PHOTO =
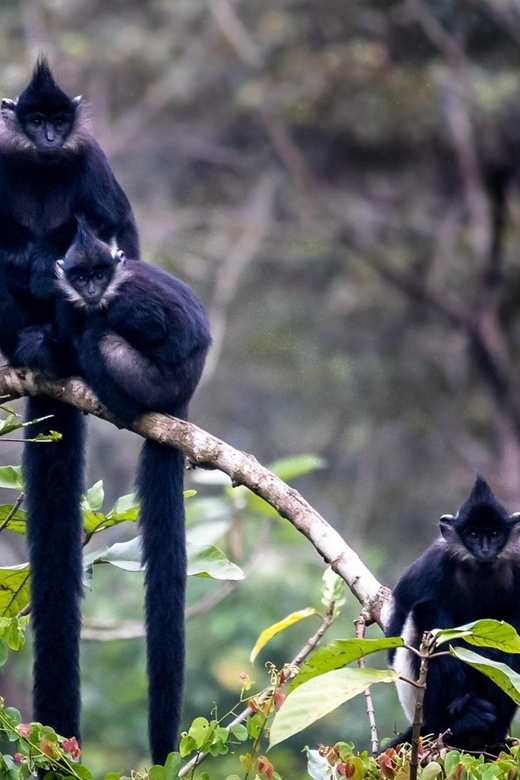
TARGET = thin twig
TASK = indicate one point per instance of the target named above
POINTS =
(247, 711)
(12, 511)
(361, 624)
(95, 631)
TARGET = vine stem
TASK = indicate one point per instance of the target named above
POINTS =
(419, 702)
(361, 624)
(306, 650)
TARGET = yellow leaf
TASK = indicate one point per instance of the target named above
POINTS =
(268, 633)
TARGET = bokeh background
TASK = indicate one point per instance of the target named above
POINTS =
(339, 182)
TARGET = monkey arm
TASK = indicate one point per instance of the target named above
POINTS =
(39, 348)
(102, 200)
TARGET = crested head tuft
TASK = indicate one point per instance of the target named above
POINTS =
(86, 249)
(481, 490)
(481, 504)
(43, 94)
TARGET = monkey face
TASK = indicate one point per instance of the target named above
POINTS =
(47, 132)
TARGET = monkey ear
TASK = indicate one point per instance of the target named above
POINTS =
(7, 107)
(514, 519)
(446, 526)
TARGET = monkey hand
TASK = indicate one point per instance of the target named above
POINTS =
(37, 349)
(471, 714)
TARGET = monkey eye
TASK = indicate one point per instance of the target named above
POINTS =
(36, 121)
(81, 279)
(59, 123)
(100, 276)
(494, 534)
(473, 535)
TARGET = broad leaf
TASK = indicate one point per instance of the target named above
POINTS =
(268, 633)
(95, 496)
(124, 555)
(483, 633)
(203, 560)
(11, 477)
(339, 654)
(500, 673)
(14, 589)
(321, 695)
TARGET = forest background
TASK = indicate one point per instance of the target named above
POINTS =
(339, 183)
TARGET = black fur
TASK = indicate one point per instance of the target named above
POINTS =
(470, 573)
(54, 484)
(50, 170)
(141, 337)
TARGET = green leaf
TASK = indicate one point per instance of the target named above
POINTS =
(321, 695)
(156, 772)
(187, 745)
(112, 776)
(483, 633)
(14, 715)
(501, 674)
(339, 654)
(95, 496)
(4, 653)
(15, 638)
(268, 633)
(297, 466)
(124, 555)
(451, 762)
(124, 504)
(83, 772)
(205, 560)
(239, 731)
(333, 588)
(14, 589)
(17, 523)
(431, 771)
(200, 730)
(172, 766)
(11, 477)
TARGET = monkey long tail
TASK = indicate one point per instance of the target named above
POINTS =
(160, 488)
(53, 474)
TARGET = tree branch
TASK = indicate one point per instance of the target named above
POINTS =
(205, 450)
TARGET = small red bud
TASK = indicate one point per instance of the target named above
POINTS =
(19, 758)
(279, 697)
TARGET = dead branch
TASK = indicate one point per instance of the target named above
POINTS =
(205, 450)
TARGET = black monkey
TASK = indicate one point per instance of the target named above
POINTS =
(141, 338)
(471, 572)
(51, 168)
